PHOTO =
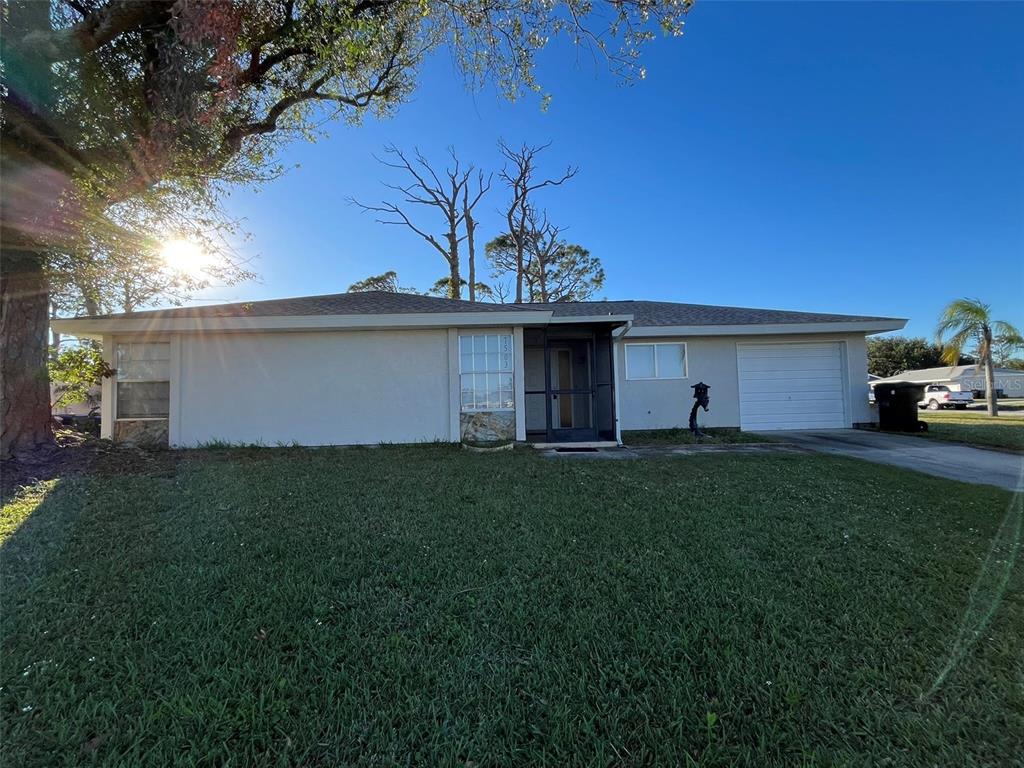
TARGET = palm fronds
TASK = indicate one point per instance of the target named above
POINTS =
(961, 314)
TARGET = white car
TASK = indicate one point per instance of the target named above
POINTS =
(939, 396)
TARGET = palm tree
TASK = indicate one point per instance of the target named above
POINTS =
(970, 321)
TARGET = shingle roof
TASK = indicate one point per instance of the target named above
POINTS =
(947, 373)
(645, 313)
(653, 313)
(362, 303)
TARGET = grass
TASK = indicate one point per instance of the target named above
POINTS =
(429, 606)
(682, 436)
(976, 428)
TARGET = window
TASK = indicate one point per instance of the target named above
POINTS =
(143, 380)
(656, 361)
(485, 372)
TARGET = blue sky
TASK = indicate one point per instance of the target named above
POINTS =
(844, 157)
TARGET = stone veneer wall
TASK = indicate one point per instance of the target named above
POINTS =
(145, 433)
(487, 426)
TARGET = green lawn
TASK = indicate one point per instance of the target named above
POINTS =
(427, 606)
(976, 428)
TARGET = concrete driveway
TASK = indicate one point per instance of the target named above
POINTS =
(956, 462)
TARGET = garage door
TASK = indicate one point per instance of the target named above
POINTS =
(791, 386)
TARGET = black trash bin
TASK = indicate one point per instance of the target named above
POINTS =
(897, 406)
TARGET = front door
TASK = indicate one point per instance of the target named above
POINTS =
(570, 390)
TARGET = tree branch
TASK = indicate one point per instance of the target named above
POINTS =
(96, 30)
(394, 210)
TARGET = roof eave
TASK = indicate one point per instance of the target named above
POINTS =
(91, 327)
(590, 319)
(766, 329)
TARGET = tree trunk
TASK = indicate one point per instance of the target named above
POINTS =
(26, 200)
(990, 383)
(24, 379)
(471, 245)
(520, 239)
(454, 277)
(519, 274)
(542, 277)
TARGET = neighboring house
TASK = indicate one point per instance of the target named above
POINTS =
(75, 409)
(965, 378)
(366, 368)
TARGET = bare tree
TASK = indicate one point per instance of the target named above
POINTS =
(450, 194)
(520, 177)
(501, 293)
(470, 221)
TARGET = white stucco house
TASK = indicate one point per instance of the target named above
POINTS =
(965, 378)
(366, 368)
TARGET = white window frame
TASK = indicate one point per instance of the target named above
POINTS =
(510, 371)
(118, 379)
(653, 345)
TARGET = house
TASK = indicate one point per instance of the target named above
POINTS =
(965, 378)
(366, 368)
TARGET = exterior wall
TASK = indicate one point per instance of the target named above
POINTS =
(107, 390)
(327, 388)
(1011, 384)
(862, 411)
(664, 404)
(367, 387)
(519, 382)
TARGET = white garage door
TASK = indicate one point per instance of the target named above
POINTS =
(791, 386)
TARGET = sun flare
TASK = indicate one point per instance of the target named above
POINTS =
(185, 256)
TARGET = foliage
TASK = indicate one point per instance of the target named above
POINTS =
(554, 269)
(1005, 346)
(426, 606)
(76, 370)
(967, 322)
(891, 355)
(162, 101)
(970, 323)
(567, 272)
(1016, 364)
(387, 282)
(118, 269)
(442, 287)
